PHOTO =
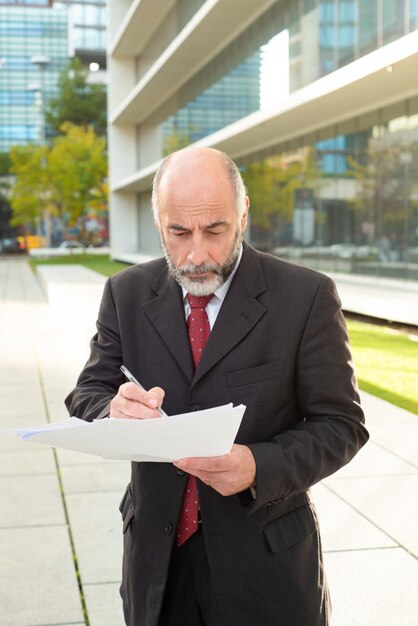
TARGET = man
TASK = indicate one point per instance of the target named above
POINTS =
(249, 554)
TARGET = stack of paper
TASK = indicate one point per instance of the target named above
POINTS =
(201, 433)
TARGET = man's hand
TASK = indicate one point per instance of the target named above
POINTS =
(132, 402)
(228, 474)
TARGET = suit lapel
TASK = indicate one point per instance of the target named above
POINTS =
(166, 313)
(239, 313)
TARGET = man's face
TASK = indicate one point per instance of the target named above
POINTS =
(199, 225)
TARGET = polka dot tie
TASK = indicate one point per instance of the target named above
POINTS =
(199, 330)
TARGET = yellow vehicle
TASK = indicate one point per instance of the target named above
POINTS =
(31, 241)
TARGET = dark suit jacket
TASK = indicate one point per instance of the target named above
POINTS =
(280, 347)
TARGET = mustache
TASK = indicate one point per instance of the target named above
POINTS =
(190, 268)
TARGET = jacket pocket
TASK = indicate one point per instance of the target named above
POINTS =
(255, 374)
(288, 530)
(126, 508)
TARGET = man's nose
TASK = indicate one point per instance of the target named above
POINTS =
(198, 251)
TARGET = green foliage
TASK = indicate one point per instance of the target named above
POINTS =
(29, 185)
(4, 163)
(101, 263)
(78, 101)
(4, 176)
(76, 166)
(65, 179)
(386, 363)
(271, 186)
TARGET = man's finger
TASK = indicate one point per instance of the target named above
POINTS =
(152, 398)
(123, 407)
(205, 464)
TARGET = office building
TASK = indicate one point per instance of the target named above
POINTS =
(33, 30)
(316, 100)
(88, 34)
(33, 52)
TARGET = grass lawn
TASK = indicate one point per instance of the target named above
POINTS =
(386, 360)
(101, 263)
(386, 363)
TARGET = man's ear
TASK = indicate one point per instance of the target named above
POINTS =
(244, 218)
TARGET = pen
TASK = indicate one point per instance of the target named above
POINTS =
(132, 378)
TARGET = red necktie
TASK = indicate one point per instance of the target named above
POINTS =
(199, 330)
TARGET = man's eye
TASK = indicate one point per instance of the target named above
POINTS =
(215, 232)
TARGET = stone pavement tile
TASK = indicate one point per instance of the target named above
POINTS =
(390, 503)
(24, 420)
(104, 605)
(402, 439)
(373, 587)
(9, 442)
(104, 476)
(21, 416)
(381, 412)
(16, 379)
(372, 460)
(97, 531)
(30, 501)
(69, 457)
(29, 461)
(56, 408)
(58, 383)
(342, 528)
(38, 585)
(18, 403)
(15, 386)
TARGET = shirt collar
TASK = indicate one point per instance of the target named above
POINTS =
(221, 292)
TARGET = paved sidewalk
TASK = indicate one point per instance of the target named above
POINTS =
(59, 510)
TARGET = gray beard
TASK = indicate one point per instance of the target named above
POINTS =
(201, 285)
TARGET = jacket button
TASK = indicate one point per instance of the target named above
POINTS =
(180, 472)
(195, 407)
(168, 528)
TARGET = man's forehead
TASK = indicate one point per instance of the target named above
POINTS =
(196, 198)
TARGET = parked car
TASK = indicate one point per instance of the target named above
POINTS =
(11, 245)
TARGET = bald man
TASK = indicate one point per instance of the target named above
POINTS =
(275, 341)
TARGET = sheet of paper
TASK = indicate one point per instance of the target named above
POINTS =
(70, 434)
(200, 433)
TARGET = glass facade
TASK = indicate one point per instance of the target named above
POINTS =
(27, 33)
(345, 203)
(89, 26)
(232, 97)
(28, 3)
(321, 36)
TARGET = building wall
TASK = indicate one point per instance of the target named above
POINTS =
(340, 194)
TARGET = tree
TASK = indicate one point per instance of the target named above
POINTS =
(77, 167)
(4, 164)
(63, 180)
(5, 211)
(29, 184)
(78, 101)
(271, 185)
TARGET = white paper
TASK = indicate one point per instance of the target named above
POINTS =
(200, 433)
